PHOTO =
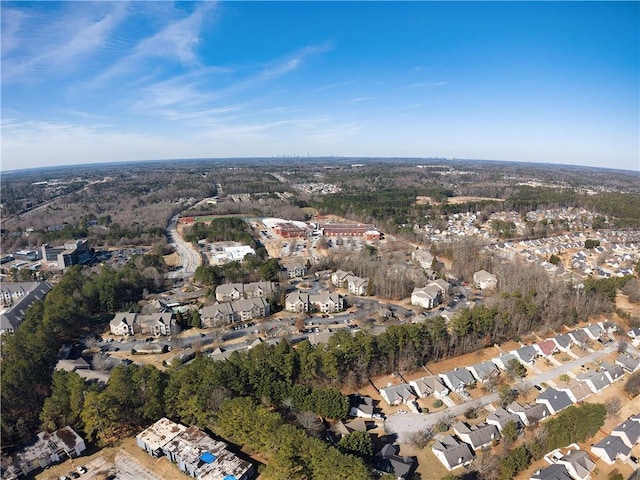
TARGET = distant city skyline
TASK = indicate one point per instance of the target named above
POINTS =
(544, 82)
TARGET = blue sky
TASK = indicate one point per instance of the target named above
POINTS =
(86, 82)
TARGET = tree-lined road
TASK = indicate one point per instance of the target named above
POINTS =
(190, 259)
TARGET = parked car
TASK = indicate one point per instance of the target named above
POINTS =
(81, 470)
(402, 412)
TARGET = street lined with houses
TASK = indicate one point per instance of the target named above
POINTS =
(404, 425)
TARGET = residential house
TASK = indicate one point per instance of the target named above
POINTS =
(397, 394)
(220, 354)
(94, 376)
(628, 362)
(485, 280)
(552, 472)
(484, 371)
(426, 297)
(181, 357)
(526, 355)
(546, 348)
(339, 278)
(529, 414)
(502, 362)
(72, 365)
(429, 386)
(452, 452)
(358, 286)
(554, 400)
(501, 417)
(596, 381)
(342, 429)
(634, 334)
(49, 448)
(613, 372)
(610, 449)
(477, 436)
(360, 406)
(608, 327)
(388, 461)
(578, 464)
(456, 380)
(577, 391)
(594, 331)
(124, 324)
(628, 431)
(563, 342)
(579, 337)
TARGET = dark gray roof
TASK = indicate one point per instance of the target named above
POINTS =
(527, 353)
(630, 428)
(455, 452)
(598, 379)
(563, 340)
(390, 462)
(458, 378)
(13, 316)
(557, 400)
(552, 472)
(613, 446)
(501, 417)
(580, 336)
(478, 435)
(628, 362)
(484, 370)
(361, 402)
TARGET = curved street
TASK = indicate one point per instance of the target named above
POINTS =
(190, 259)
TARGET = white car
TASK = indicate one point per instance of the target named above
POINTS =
(401, 412)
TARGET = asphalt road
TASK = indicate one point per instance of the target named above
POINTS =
(405, 425)
(190, 259)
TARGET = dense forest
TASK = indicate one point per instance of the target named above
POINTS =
(75, 304)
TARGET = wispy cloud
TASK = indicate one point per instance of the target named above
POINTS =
(176, 42)
(427, 85)
(68, 41)
(360, 99)
(204, 94)
(293, 62)
(332, 86)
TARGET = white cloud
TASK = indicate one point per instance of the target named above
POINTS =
(293, 62)
(36, 52)
(427, 84)
(177, 41)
